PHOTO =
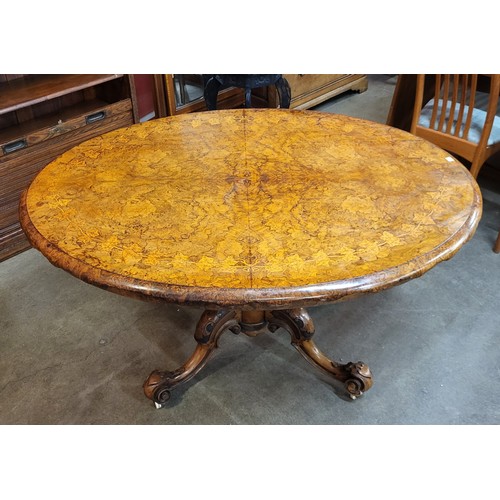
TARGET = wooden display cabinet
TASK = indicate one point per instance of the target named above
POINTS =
(41, 116)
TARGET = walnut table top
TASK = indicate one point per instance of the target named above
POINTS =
(251, 208)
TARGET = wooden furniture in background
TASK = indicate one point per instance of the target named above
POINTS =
(145, 92)
(453, 120)
(403, 99)
(264, 212)
(249, 83)
(310, 90)
(184, 94)
(41, 116)
(402, 108)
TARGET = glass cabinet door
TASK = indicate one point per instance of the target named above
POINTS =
(187, 89)
(184, 94)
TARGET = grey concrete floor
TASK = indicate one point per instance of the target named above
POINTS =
(75, 354)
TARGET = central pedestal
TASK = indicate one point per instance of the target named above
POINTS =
(356, 377)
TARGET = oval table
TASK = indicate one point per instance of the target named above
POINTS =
(253, 214)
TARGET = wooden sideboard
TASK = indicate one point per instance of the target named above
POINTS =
(310, 90)
(41, 116)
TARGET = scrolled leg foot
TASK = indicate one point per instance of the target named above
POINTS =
(356, 377)
(360, 379)
(210, 327)
(157, 386)
(162, 397)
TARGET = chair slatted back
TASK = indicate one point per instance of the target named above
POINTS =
(458, 117)
(453, 104)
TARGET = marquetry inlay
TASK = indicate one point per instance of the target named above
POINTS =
(254, 199)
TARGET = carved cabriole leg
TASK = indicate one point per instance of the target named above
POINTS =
(208, 330)
(356, 377)
(210, 92)
(284, 92)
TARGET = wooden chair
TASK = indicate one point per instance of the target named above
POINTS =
(452, 119)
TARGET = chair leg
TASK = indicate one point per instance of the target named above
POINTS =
(478, 162)
(496, 248)
(475, 167)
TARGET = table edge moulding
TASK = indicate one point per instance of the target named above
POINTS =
(242, 298)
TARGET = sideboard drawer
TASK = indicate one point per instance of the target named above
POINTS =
(61, 127)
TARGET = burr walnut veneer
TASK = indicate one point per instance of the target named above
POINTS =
(254, 215)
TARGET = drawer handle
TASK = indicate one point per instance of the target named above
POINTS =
(95, 117)
(14, 146)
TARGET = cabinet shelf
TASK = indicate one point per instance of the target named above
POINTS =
(34, 89)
